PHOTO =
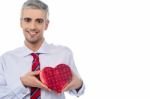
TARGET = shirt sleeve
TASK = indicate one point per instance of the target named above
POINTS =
(15, 91)
(74, 69)
(78, 93)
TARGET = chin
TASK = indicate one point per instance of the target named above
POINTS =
(31, 41)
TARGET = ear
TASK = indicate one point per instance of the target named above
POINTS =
(46, 24)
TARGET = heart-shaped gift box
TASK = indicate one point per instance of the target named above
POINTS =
(56, 78)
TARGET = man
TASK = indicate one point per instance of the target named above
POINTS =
(16, 76)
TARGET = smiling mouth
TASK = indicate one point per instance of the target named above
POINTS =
(32, 33)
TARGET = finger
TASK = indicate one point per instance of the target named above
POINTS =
(46, 88)
(34, 73)
(67, 87)
(37, 72)
(58, 94)
(43, 86)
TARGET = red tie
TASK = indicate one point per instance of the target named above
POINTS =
(35, 92)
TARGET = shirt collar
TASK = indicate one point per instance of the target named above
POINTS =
(44, 49)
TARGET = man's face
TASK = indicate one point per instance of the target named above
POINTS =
(34, 23)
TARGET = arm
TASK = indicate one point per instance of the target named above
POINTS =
(20, 88)
(30, 80)
(76, 86)
(16, 91)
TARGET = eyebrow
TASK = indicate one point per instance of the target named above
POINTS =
(32, 19)
(39, 19)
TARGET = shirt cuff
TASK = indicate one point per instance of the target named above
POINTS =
(79, 92)
(79, 87)
(20, 90)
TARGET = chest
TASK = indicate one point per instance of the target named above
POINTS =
(15, 67)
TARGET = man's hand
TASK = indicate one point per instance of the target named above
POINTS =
(30, 80)
(75, 83)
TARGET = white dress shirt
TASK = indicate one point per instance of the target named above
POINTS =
(18, 62)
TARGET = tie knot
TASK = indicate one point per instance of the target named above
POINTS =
(35, 55)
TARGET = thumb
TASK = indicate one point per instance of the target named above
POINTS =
(67, 87)
(44, 87)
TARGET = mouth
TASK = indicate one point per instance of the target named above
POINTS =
(32, 33)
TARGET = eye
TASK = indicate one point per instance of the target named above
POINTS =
(27, 20)
(40, 21)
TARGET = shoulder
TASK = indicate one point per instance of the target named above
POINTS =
(14, 52)
(60, 49)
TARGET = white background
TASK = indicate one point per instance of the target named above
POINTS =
(110, 40)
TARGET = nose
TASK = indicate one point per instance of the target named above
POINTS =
(32, 25)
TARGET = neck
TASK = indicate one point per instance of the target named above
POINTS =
(34, 46)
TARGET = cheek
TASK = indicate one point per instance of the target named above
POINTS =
(23, 26)
(41, 28)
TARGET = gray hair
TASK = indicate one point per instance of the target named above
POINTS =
(36, 4)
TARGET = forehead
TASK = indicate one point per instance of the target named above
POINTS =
(33, 13)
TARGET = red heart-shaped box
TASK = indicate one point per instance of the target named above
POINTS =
(56, 78)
